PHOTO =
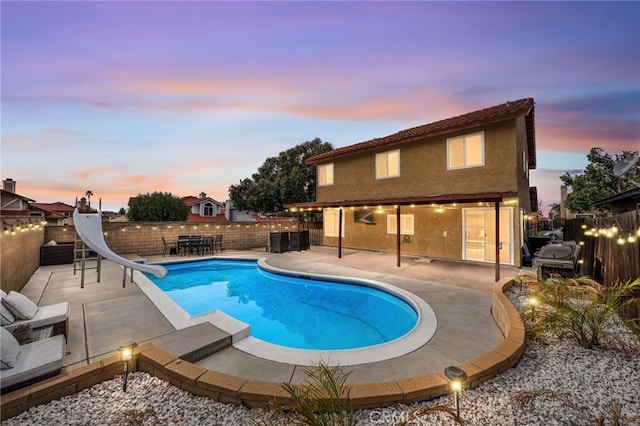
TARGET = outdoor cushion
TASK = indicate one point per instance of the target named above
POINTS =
(46, 316)
(20, 305)
(2, 294)
(7, 316)
(35, 360)
(9, 350)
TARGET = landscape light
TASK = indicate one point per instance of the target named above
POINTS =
(457, 377)
(126, 352)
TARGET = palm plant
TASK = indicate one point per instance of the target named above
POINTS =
(582, 309)
(322, 399)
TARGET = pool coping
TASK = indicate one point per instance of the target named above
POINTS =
(259, 394)
(240, 331)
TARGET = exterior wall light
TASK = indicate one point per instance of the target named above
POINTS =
(126, 352)
(457, 378)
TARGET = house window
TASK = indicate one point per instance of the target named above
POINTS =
(331, 223)
(388, 164)
(406, 224)
(465, 151)
(207, 209)
(325, 174)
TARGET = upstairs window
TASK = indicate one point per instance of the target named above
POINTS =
(465, 151)
(325, 174)
(207, 209)
(388, 164)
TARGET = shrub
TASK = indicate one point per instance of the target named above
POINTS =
(584, 310)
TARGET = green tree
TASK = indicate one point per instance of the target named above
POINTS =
(157, 207)
(280, 180)
(598, 180)
(89, 193)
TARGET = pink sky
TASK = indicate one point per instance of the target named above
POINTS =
(123, 98)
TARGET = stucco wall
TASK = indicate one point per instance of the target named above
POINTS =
(437, 234)
(423, 169)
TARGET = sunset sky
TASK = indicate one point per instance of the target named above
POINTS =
(123, 98)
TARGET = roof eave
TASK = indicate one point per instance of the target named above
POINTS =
(426, 199)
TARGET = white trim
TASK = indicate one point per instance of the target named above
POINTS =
(325, 174)
(511, 253)
(387, 154)
(464, 138)
(407, 224)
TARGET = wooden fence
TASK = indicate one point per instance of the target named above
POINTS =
(610, 246)
(610, 249)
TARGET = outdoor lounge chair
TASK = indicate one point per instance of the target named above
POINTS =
(24, 365)
(54, 316)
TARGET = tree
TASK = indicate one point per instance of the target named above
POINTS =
(89, 193)
(280, 180)
(157, 207)
(598, 180)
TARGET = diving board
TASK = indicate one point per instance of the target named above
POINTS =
(89, 229)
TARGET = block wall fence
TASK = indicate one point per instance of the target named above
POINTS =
(19, 254)
(145, 238)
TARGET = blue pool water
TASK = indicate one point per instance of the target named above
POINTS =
(287, 311)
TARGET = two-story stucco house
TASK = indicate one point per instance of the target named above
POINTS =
(454, 189)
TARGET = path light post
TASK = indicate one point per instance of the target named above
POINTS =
(532, 301)
(457, 377)
(126, 351)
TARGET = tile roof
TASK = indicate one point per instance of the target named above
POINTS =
(193, 217)
(53, 207)
(509, 110)
(190, 200)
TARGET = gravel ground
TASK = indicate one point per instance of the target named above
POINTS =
(574, 386)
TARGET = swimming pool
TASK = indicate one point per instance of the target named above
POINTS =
(289, 311)
(242, 339)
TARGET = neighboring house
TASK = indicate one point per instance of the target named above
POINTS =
(204, 209)
(234, 215)
(13, 204)
(623, 202)
(53, 213)
(436, 190)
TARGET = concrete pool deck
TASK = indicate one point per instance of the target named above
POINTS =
(103, 315)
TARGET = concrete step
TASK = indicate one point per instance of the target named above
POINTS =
(195, 342)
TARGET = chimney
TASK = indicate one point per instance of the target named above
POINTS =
(202, 196)
(9, 185)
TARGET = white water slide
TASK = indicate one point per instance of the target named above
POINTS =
(89, 228)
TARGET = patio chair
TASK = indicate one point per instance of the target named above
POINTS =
(207, 245)
(217, 244)
(23, 365)
(171, 249)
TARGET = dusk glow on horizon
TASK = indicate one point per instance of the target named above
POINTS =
(123, 98)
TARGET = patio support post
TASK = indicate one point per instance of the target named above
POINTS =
(497, 204)
(398, 242)
(340, 234)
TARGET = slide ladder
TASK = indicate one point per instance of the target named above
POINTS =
(89, 229)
